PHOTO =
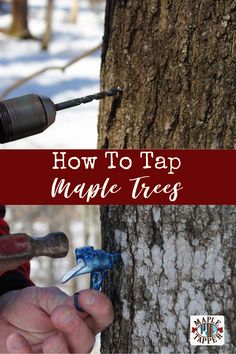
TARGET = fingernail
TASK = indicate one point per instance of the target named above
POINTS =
(90, 299)
(67, 316)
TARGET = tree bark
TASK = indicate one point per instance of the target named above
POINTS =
(175, 61)
(19, 26)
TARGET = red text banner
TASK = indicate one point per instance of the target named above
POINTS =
(118, 177)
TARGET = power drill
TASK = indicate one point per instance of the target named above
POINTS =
(32, 114)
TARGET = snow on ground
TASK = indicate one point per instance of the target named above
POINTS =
(76, 127)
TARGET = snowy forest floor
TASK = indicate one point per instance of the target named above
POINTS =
(76, 127)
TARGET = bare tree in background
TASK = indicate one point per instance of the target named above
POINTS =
(19, 27)
(48, 31)
(175, 61)
(74, 11)
(94, 3)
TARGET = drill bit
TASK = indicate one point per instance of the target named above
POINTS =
(97, 96)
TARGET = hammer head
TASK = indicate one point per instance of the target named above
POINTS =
(16, 249)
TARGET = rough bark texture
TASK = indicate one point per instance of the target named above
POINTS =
(176, 62)
(178, 261)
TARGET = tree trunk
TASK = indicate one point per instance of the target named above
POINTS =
(48, 31)
(74, 11)
(19, 26)
(175, 61)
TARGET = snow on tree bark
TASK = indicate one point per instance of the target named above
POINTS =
(175, 61)
(178, 262)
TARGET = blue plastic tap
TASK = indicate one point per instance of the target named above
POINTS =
(96, 262)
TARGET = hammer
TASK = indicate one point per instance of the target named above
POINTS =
(16, 249)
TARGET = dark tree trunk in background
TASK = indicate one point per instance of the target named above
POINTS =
(19, 26)
(175, 61)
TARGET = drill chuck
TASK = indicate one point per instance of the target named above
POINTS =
(31, 114)
(25, 116)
